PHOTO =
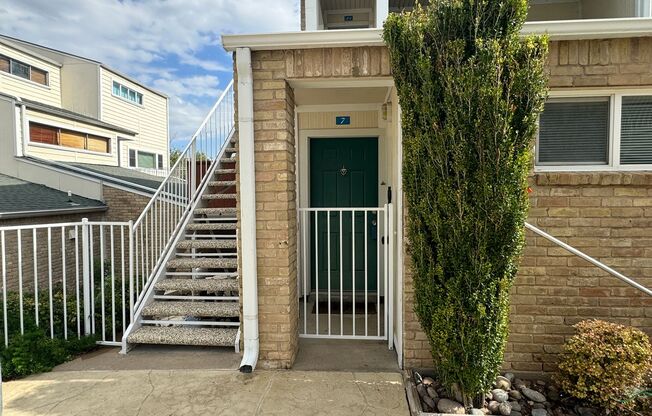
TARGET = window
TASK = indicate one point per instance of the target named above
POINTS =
(23, 70)
(127, 93)
(574, 132)
(608, 132)
(145, 160)
(40, 133)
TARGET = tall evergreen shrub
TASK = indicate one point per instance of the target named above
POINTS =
(471, 89)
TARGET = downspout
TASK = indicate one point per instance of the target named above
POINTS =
(249, 273)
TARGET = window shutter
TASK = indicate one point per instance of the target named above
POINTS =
(132, 158)
(574, 132)
(636, 131)
(43, 134)
(160, 162)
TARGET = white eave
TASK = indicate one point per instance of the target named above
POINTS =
(556, 30)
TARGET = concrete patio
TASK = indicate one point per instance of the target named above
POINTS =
(204, 381)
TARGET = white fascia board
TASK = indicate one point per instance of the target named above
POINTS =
(556, 30)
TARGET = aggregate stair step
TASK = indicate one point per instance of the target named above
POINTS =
(221, 183)
(179, 335)
(206, 244)
(212, 226)
(218, 196)
(224, 171)
(230, 150)
(206, 262)
(216, 211)
(198, 285)
(197, 309)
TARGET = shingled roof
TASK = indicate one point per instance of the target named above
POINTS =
(19, 198)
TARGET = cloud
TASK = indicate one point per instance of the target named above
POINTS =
(171, 45)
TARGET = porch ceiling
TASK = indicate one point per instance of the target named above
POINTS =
(328, 96)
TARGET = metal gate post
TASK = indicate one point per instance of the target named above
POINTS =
(86, 269)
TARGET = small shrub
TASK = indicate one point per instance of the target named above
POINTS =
(605, 364)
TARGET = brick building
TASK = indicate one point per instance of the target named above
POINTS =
(317, 97)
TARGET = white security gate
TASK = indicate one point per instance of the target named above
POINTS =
(345, 273)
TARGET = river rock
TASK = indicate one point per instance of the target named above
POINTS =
(505, 409)
(478, 412)
(515, 406)
(586, 411)
(493, 407)
(427, 400)
(515, 394)
(515, 413)
(432, 392)
(428, 381)
(457, 393)
(539, 412)
(533, 395)
(499, 395)
(449, 406)
(421, 389)
(503, 383)
(509, 376)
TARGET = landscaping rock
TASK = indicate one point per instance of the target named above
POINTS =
(509, 376)
(427, 381)
(431, 403)
(503, 383)
(533, 395)
(449, 406)
(499, 395)
(478, 412)
(432, 392)
(587, 411)
(493, 407)
(515, 394)
(538, 406)
(515, 413)
(539, 412)
(515, 406)
(457, 393)
(421, 389)
(505, 409)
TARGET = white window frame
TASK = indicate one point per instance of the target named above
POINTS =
(615, 119)
(115, 81)
(156, 159)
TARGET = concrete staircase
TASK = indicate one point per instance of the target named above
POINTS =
(195, 301)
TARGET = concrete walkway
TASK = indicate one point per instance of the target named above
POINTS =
(206, 392)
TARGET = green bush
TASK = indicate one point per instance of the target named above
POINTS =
(605, 364)
(470, 90)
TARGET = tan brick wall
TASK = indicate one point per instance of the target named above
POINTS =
(123, 205)
(601, 63)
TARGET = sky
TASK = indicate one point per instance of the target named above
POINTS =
(170, 45)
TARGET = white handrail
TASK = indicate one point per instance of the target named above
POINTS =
(164, 214)
(588, 258)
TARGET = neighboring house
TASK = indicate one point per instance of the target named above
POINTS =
(319, 119)
(76, 125)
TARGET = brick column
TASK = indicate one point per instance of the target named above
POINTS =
(276, 210)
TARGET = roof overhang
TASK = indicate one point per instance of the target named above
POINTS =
(556, 30)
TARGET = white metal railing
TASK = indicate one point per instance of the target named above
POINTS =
(152, 171)
(589, 259)
(70, 279)
(346, 282)
(165, 213)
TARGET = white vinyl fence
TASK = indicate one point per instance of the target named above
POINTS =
(70, 279)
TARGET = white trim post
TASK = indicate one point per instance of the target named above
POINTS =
(249, 274)
(382, 11)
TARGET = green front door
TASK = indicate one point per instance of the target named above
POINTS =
(344, 174)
